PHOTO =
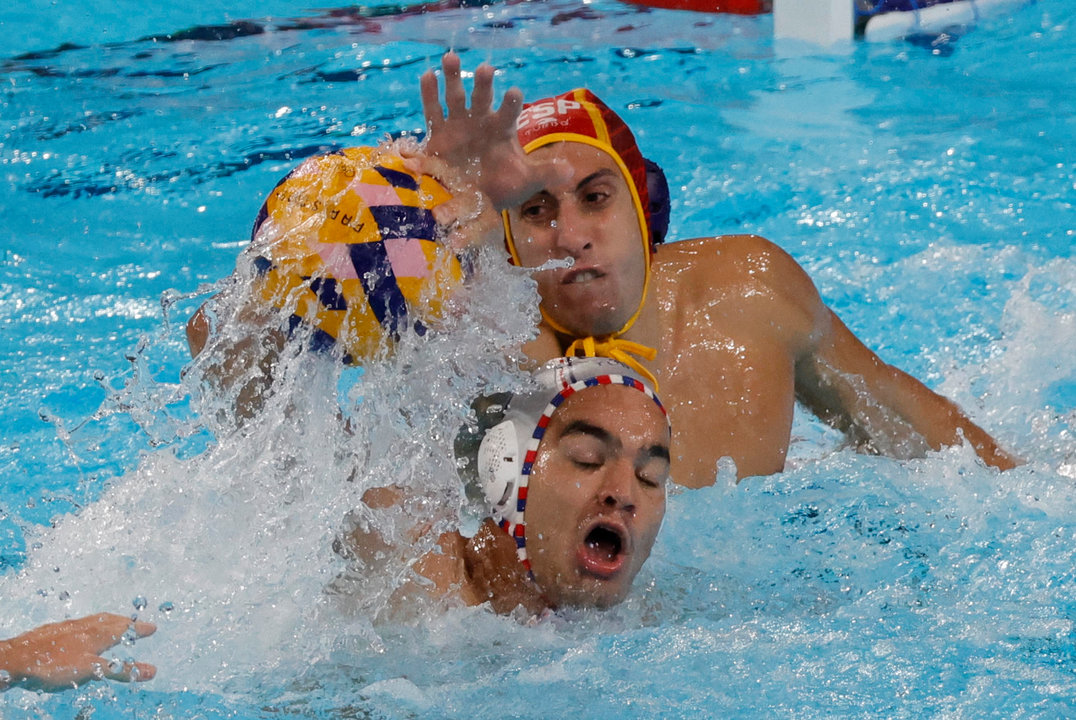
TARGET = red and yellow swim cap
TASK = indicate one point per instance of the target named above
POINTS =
(579, 116)
(348, 245)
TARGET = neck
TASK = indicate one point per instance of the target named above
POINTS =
(495, 575)
(645, 329)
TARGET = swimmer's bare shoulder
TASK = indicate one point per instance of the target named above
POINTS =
(880, 407)
(746, 289)
(746, 283)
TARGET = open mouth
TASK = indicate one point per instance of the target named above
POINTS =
(602, 553)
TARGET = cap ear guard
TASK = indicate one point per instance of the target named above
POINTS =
(500, 461)
(658, 190)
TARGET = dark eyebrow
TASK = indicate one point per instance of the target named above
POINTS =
(597, 175)
(582, 427)
(660, 451)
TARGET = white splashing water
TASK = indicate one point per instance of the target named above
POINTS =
(231, 551)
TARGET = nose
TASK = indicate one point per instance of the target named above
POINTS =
(575, 231)
(617, 489)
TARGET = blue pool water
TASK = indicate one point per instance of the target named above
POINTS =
(927, 186)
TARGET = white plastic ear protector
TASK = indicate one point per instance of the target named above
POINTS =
(499, 461)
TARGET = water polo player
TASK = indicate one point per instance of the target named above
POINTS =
(736, 330)
(574, 478)
(732, 327)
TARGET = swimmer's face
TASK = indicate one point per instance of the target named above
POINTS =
(588, 217)
(596, 496)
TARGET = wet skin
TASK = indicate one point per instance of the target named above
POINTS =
(740, 329)
(596, 497)
(595, 504)
(570, 219)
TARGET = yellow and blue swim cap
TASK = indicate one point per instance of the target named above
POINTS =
(347, 245)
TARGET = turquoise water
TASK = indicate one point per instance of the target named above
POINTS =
(927, 187)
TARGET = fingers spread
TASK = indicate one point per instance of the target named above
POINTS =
(511, 106)
(431, 103)
(482, 96)
(455, 97)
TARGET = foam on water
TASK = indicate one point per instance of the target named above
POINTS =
(236, 543)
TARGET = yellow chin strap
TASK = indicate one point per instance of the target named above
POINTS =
(611, 346)
(618, 350)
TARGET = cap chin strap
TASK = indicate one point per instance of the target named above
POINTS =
(617, 349)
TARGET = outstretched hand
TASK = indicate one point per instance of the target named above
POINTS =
(66, 654)
(479, 141)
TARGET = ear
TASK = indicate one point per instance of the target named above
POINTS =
(500, 461)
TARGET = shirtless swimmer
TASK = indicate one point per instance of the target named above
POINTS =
(732, 327)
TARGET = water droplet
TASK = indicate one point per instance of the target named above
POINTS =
(166, 607)
(139, 603)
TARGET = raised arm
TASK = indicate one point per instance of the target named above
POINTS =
(66, 654)
(478, 140)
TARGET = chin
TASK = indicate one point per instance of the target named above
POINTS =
(591, 327)
(600, 594)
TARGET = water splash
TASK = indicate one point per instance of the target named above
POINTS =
(234, 545)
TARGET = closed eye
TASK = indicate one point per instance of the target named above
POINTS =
(649, 482)
(652, 468)
(586, 465)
